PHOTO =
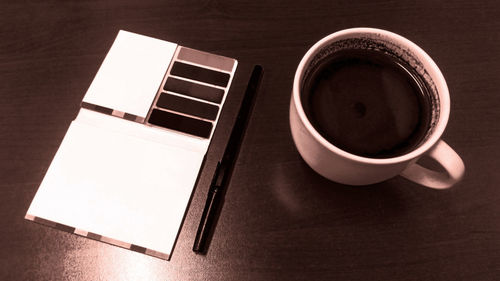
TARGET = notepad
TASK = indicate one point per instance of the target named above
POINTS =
(127, 166)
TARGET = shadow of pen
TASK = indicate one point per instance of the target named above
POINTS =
(224, 170)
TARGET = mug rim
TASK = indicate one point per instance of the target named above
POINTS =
(438, 79)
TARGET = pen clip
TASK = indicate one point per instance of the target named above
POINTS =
(215, 179)
(208, 213)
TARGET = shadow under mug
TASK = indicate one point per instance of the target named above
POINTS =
(347, 168)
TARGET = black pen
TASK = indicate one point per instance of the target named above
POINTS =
(225, 167)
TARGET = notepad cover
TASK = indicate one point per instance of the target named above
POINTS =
(116, 176)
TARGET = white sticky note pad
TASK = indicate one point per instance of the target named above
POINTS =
(123, 180)
(131, 73)
(127, 188)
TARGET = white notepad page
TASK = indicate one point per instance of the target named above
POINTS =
(123, 187)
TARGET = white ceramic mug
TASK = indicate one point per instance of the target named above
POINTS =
(347, 168)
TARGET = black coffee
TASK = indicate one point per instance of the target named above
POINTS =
(367, 103)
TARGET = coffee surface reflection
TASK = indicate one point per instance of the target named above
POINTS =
(368, 103)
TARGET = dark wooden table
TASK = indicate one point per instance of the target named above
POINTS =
(280, 220)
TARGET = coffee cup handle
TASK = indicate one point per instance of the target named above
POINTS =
(447, 158)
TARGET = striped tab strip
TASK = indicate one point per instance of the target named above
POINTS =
(98, 237)
(109, 111)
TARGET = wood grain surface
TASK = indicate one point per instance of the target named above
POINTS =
(280, 220)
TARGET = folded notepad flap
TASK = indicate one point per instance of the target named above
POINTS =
(148, 133)
(131, 74)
